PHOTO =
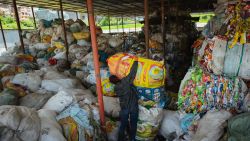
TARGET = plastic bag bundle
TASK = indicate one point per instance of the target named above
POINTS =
(218, 58)
(112, 129)
(211, 128)
(115, 41)
(150, 74)
(81, 35)
(201, 91)
(77, 122)
(151, 97)
(149, 123)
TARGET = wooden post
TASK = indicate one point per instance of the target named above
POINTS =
(96, 60)
(34, 18)
(4, 41)
(65, 33)
(146, 27)
(18, 25)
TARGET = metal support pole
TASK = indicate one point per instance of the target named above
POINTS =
(122, 28)
(18, 25)
(117, 24)
(109, 22)
(135, 23)
(58, 14)
(146, 27)
(163, 28)
(64, 31)
(34, 18)
(4, 41)
(96, 60)
(77, 15)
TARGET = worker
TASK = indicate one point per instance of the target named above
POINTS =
(128, 97)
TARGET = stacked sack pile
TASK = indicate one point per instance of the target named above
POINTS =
(65, 109)
(214, 91)
(44, 104)
(150, 79)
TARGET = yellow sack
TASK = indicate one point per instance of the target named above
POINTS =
(150, 73)
(59, 45)
(154, 44)
(146, 131)
(46, 39)
(108, 89)
(81, 35)
(70, 128)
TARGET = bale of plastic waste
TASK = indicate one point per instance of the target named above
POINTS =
(22, 118)
(218, 58)
(202, 91)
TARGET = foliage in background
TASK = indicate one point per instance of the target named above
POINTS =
(10, 23)
(204, 17)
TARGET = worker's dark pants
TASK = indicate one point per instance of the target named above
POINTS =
(128, 118)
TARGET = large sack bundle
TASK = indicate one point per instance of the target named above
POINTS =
(246, 105)
(40, 46)
(8, 97)
(112, 129)
(202, 91)
(210, 127)
(115, 41)
(150, 74)
(50, 129)
(52, 74)
(81, 35)
(34, 100)
(217, 57)
(65, 97)
(239, 128)
(56, 84)
(171, 126)
(19, 123)
(149, 123)
(111, 106)
(30, 80)
(7, 59)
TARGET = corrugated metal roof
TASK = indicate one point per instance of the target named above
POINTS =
(114, 7)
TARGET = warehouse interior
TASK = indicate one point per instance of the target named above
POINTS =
(66, 77)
